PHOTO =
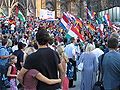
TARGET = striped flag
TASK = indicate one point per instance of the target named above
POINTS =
(74, 32)
(71, 34)
(88, 12)
(71, 17)
(21, 16)
(91, 27)
(79, 21)
(65, 23)
(106, 18)
(65, 18)
(91, 14)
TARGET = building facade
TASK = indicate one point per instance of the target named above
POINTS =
(33, 7)
(11, 7)
(75, 7)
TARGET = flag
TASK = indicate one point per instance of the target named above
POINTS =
(65, 24)
(89, 13)
(75, 30)
(65, 18)
(99, 20)
(21, 16)
(71, 17)
(91, 26)
(78, 28)
(63, 27)
(71, 34)
(115, 27)
(106, 18)
(79, 21)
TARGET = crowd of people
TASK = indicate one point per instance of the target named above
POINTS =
(36, 55)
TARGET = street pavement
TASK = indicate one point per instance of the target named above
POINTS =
(77, 83)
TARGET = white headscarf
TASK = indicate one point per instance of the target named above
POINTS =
(90, 47)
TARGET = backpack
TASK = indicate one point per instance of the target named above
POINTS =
(5, 82)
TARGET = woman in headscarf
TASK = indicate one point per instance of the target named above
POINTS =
(88, 74)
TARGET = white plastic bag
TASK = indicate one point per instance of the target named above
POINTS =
(80, 66)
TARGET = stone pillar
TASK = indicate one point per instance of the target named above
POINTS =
(36, 13)
(38, 7)
(9, 8)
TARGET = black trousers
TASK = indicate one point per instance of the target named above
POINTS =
(74, 72)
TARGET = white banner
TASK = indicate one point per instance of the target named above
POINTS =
(46, 14)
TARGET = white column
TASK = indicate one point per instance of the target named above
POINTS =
(9, 8)
(36, 13)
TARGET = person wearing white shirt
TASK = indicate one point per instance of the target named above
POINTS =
(98, 52)
(12, 28)
(15, 47)
(70, 51)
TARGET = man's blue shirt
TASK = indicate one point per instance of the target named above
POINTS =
(111, 70)
(3, 52)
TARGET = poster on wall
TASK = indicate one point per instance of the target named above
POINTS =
(46, 14)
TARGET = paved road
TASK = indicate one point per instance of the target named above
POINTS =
(77, 83)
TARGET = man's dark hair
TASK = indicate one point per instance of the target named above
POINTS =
(42, 37)
(72, 39)
(4, 41)
(15, 42)
(113, 43)
(51, 41)
(21, 45)
(35, 46)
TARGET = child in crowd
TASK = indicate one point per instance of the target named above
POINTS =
(12, 73)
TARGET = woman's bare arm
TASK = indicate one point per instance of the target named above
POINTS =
(9, 72)
(44, 79)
